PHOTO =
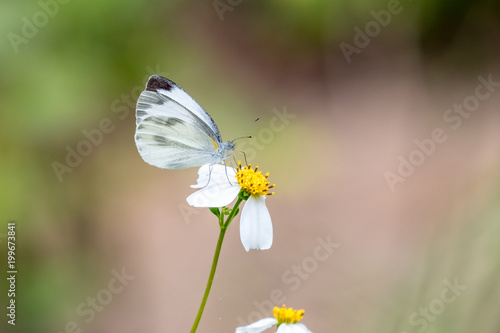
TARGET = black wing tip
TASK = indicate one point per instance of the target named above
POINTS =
(156, 82)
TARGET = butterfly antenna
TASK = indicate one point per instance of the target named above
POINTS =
(242, 137)
(246, 128)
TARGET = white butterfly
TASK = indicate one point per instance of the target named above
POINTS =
(173, 131)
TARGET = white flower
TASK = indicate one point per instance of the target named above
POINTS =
(219, 185)
(285, 319)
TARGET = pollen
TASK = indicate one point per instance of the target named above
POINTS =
(252, 181)
(287, 316)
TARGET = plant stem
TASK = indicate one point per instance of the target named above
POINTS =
(210, 279)
(223, 226)
(233, 212)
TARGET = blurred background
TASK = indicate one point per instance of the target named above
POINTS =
(379, 123)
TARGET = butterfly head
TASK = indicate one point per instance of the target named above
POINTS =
(226, 149)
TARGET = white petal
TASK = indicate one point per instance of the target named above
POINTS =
(293, 328)
(216, 174)
(214, 196)
(256, 228)
(258, 326)
(217, 187)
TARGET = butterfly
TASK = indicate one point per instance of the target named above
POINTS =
(173, 131)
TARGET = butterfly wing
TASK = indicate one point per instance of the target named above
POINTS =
(173, 144)
(163, 97)
(172, 130)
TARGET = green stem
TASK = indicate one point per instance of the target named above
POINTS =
(233, 212)
(221, 220)
(210, 279)
(223, 226)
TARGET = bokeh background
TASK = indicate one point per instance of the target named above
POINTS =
(331, 128)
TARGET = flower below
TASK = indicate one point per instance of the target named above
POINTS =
(287, 316)
(284, 319)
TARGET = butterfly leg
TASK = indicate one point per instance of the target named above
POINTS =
(210, 168)
(227, 176)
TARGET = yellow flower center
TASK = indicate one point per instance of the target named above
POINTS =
(287, 316)
(253, 182)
